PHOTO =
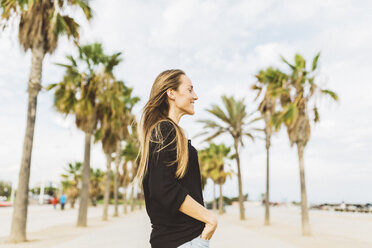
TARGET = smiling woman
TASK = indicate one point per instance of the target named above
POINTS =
(169, 169)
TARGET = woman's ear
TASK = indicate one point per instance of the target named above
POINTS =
(170, 93)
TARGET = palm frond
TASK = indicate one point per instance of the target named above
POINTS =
(315, 62)
(211, 137)
(218, 112)
(255, 119)
(290, 65)
(316, 114)
(331, 94)
(300, 62)
(84, 5)
(289, 113)
(249, 135)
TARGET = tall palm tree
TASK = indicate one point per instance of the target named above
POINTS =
(233, 121)
(72, 177)
(268, 85)
(41, 24)
(298, 90)
(130, 154)
(96, 184)
(77, 94)
(124, 120)
(111, 108)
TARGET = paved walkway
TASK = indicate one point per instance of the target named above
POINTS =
(133, 230)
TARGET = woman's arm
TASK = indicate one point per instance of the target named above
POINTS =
(197, 211)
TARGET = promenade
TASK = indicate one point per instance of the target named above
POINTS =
(56, 229)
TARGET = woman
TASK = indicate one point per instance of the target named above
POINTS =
(169, 168)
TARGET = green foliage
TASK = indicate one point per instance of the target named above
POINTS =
(48, 190)
(71, 178)
(5, 188)
(332, 94)
(90, 91)
(233, 120)
(315, 62)
(235, 199)
(212, 162)
(43, 22)
(293, 90)
(96, 186)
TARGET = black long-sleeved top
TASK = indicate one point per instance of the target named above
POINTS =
(164, 193)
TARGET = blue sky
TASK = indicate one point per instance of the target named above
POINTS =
(220, 45)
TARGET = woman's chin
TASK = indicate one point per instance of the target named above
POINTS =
(190, 112)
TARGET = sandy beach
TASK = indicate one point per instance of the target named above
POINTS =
(50, 228)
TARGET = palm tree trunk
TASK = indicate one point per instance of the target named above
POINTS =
(72, 203)
(125, 208)
(267, 196)
(125, 172)
(116, 178)
(19, 218)
(220, 200)
(85, 179)
(304, 210)
(139, 198)
(131, 199)
(214, 203)
(106, 199)
(240, 185)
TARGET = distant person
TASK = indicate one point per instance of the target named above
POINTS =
(343, 206)
(54, 202)
(62, 201)
(169, 170)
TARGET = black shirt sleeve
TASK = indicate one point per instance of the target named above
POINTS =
(163, 185)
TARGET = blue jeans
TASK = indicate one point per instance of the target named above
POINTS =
(197, 242)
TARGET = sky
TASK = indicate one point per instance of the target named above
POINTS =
(220, 45)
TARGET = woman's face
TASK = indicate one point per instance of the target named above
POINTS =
(184, 96)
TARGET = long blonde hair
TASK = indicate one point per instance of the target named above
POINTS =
(156, 111)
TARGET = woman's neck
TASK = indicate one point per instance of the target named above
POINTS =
(174, 115)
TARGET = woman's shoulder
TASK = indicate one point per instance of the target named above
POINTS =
(166, 125)
(164, 130)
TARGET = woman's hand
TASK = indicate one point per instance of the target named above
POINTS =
(197, 211)
(209, 229)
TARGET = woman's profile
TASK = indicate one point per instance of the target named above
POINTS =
(169, 169)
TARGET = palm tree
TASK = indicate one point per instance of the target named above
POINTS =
(207, 165)
(111, 108)
(221, 153)
(268, 85)
(233, 121)
(70, 184)
(96, 184)
(41, 24)
(298, 90)
(130, 153)
(212, 161)
(77, 94)
(124, 120)
(116, 103)
(124, 180)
